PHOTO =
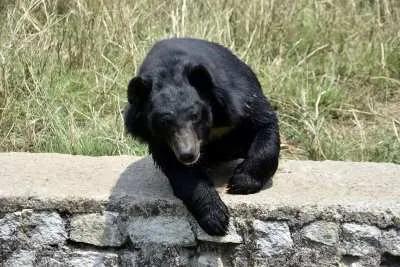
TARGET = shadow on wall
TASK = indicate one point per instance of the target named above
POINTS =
(143, 184)
(141, 180)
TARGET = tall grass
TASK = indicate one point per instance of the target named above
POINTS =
(330, 68)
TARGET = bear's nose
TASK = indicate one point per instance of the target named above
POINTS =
(187, 157)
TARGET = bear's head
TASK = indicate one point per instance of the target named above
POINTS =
(172, 108)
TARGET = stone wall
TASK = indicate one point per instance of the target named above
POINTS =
(61, 210)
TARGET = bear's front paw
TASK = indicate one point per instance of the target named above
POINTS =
(215, 219)
(242, 183)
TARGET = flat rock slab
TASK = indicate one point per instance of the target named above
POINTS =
(82, 184)
(160, 230)
(97, 229)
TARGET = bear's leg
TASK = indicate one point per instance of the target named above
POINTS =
(260, 163)
(192, 185)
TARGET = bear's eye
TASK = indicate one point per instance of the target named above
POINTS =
(161, 120)
(165, 120)
(195, 117)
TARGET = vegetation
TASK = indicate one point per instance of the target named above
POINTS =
(331, 69)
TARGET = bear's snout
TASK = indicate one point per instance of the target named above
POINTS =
(186, 146)
(188, 158)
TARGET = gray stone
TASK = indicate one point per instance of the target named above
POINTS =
(241, 262)
(360, 240)
(8, 227)
(129, 259)
(161, 230)
(97, 229)
(11, 238)
(391, 242)
(32, 229)
(22, 258)
(54, 258)
(313, 257)
(208, 260)
(153, 254)
(365, 261)
(231, 236)
(92, 258)
(48, 261)
(326, 233)
(272, 238)
(352, 264)
(48, 228)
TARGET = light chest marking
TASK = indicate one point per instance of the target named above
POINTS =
(218, 132)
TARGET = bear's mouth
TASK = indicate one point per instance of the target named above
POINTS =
(188, 163)
(186, 146)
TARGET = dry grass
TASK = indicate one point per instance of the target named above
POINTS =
(331, 69)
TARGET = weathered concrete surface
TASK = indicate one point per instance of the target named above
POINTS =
(44, 180)
(73, 210)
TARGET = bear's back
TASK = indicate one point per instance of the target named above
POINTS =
(226, 69)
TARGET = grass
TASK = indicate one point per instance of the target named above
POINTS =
(330, 68)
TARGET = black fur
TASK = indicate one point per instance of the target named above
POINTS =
(200, 86)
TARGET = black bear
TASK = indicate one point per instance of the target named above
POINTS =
(195, 103)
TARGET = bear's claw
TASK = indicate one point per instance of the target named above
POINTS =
(215, 220)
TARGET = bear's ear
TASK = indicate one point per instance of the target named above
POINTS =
(138, 88)
(199, 77)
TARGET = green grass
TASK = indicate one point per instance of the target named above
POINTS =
(331, 69)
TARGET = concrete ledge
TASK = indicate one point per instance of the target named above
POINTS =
(83, 211)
